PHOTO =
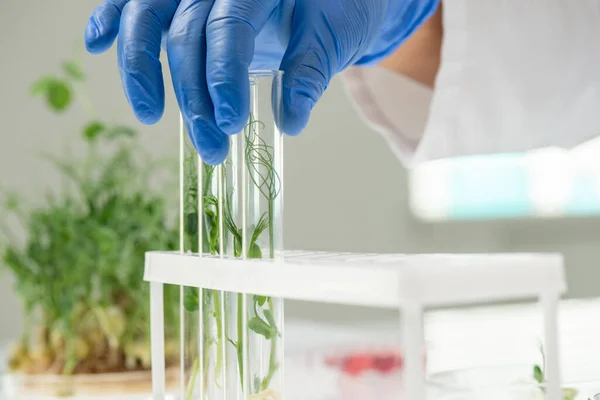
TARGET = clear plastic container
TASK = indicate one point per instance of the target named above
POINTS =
(350, 361)
(510, 382)
(355, 374)
(232, 341)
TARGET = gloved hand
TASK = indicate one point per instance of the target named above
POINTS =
(211, 45)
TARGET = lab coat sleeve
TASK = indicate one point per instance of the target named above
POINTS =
(515, 76)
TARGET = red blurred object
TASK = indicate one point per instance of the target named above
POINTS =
(358, 363)
(387, 363)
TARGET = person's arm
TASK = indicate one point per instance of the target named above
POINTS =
(419, 57)
(394, 96)
(508, 77)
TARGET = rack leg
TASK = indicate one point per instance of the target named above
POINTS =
(411, 320)
(157, 340)
(550, 309)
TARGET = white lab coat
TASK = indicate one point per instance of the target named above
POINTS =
(515, 75)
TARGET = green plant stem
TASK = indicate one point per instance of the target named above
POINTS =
(71, 360)
(220, 335)
(257, 156)
(539, 376)
(240, 336)
(193, 377)
(206, 339)
(273, 366)
(86, 102)
(271, 230)
(273, 351)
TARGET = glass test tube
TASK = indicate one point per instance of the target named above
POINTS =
(233, 343)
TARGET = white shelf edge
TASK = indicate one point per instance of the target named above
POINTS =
(430, 280)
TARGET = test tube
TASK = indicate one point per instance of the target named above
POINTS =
(261, 180)
(191, 231)
(233, 342)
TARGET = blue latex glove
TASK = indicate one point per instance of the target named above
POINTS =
(211, 45)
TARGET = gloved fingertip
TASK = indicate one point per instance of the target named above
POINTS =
(92, 34)
(229, 121)
(297, 113)
(229, 128)
(211, 143)
(231, 104)
(214, 156)
(96, 39)
(148, 107)
(145, 92)
(147, 115)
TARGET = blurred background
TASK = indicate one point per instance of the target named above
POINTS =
(344, 188)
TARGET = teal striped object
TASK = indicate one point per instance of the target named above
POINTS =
(584, 197)
(500, 186)
(489, 187)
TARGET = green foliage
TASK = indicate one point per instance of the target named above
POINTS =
(119, 131)
(191, 301)
(260, 300)
(56, 91)
(540, 377)
(261, 327)
(73, 70)
(80, 270)
(93, 129)
(259, 162)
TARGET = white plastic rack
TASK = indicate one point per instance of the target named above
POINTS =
(409, 283)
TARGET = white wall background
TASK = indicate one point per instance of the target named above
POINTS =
(344, 189)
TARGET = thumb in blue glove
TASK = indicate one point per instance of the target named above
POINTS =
(212, 44)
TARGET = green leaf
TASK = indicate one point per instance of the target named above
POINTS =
(119, 132)
(93, 129)
(191, 300)
(58, 96)
(254, 252)
(261, 327)
(271, 320)
(12, 202)
(73, 70)
(237, 244)
(210, 201)
(260, 300)
(263, 223)
(56, 91)
(42, 85)
(538, 374)
(191, 224)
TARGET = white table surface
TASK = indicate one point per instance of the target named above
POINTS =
(463, 338)
(459, 338)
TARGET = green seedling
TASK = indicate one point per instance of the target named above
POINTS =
(259, 164)
(79, 269)
(540, 377)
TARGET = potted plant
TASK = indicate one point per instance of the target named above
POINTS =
(79, 270)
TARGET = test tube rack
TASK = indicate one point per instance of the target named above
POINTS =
(409, 283)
